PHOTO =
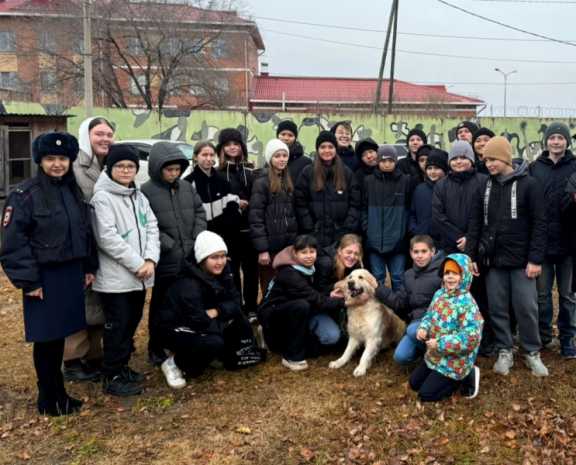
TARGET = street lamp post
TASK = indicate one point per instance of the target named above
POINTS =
(505, 75)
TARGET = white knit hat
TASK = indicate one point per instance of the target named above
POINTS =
(272, 147)
(208, 243)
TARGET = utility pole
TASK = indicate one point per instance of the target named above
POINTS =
(88, 81)
(384, 54)
(393, 64)
(505, 75)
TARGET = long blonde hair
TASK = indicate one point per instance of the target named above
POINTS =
(345, 241)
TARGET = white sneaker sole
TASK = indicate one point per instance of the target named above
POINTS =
(294, 366)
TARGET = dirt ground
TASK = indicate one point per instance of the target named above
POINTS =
(269, 416)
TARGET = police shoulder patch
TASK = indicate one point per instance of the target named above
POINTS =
(7, 218)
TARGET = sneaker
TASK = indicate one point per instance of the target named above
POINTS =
(295, 366)
(173, 374)
(471, 384)
(118, 385)
(80, 371)
(504, 363)
(533, 361)
(132, 375)
(156, 358)
(552, 345)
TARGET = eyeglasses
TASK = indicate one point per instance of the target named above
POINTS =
(127, 168)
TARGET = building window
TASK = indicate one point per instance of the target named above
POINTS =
(219, 48)
(8, 80)
(222, 85)
(47, 42)
(171, 46)
(134, 88)
(78, 46)
(48, 81)
(7, 41)
(134, 46)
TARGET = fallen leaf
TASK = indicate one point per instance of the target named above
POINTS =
(510, 434)
(307, 454)
(243, 430)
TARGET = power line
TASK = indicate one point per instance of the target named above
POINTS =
(546, 2)
(414, 52)
(412, 34)
(508, 26)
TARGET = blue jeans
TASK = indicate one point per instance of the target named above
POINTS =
(562, 272)
(409, 349)
(325, 329)
(395, 263)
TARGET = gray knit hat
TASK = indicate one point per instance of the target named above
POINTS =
(461, 148)
(558, 128)
(387, 151)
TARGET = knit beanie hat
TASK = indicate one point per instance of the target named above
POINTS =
(499, 148)
(55, 143)
(472, 127)
(417, 132)
(451, 265)
(424, 151)
(231, 135)
(365, 144)
(461, 148)
(274, 146)
(208, 243)
(120, 152)
(326, 136)
(482, 132)
(387, 152)
(558, 128)
(438, 158)
(287, 125)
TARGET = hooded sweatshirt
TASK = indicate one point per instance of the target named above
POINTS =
(454, 320)
(177, 206)
(127, 234)
(86, 167)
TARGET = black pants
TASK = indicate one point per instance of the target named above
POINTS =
(479, 292)
(123, 313)
(244, 257)
(431, 385)
(159, 291)
(48, 358)
(286, 328)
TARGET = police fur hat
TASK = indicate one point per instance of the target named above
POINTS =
(231, 135)
(55, 143)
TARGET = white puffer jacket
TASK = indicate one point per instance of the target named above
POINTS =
(127, 234)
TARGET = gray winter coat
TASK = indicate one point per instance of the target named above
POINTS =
(178, 208)
(127, 234)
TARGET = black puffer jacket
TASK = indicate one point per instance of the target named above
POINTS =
(349, 157)
(192, 294)
(408, 165)
(569, 221)
(412, 299)
(291, 284)
(178, 209)
(553, 178)
(240, 176)
(325, 278)
(328, 214)
(451, 205)
(508, 242)
(272, 217)
(297, 161)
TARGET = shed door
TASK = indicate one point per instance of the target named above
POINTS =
(19, 156)
(3, 161)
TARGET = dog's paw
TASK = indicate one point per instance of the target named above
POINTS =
(335, 364)
(359, 371)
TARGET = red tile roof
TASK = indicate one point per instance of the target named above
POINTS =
(348, 90)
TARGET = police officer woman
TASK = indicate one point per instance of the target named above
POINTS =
(47, 252)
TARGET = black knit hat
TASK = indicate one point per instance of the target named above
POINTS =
(365, 144)
(482, 132)
(55, 143)
(120, 152)
(424, 151)
(472, 127)
(231, 135)
(326, 136)
(417, 132)
(287, 125)
(438, 158)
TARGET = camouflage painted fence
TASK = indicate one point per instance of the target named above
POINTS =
(525, 134)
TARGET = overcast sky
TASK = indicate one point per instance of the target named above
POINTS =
(288, 55)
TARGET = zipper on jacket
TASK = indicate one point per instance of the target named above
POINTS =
(138, 229)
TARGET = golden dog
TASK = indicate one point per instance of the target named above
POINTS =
(370, 323)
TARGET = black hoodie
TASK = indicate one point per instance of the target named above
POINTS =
(297, 161)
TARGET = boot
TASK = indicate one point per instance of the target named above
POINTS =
(53, 404)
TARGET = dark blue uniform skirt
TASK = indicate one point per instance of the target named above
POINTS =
(62, 312)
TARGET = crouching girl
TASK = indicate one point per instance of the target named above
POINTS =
(201, 319)
(451, 329)
(290, 311)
